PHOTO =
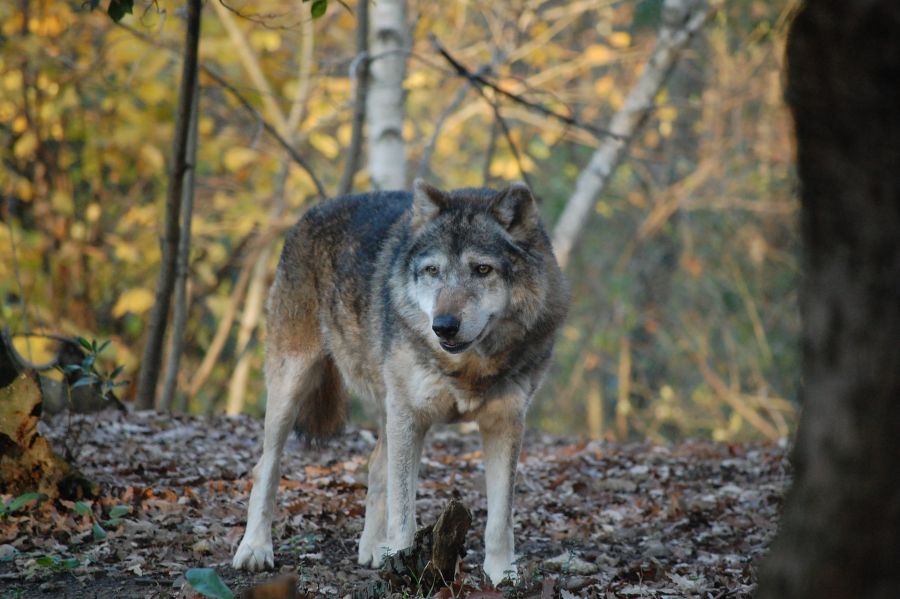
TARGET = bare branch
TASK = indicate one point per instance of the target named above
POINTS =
(681, 20)
(269, 128)
(479, 81)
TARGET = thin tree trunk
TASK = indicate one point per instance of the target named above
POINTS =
(384, 104)
(359, 73)
(222, 333)
(681, 20)
(159, 316)
(840, 533)
(179, 320)
(623, 396)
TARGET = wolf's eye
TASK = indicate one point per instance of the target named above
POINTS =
(483, 270)
(431, 269)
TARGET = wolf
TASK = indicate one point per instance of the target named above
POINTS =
(439, 307)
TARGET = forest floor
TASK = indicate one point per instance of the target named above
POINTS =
(593, 519)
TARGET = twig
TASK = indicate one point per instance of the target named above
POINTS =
(425, 162)
(489, 153)
(320, 190)
(478, 80)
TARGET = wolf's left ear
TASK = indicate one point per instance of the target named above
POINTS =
(515, 209)
(427, 202)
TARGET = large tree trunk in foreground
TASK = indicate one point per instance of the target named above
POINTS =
(159, 316)
(840, 534)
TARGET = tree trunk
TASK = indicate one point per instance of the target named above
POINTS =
(840, 533)
(359, 73)
(179, 320)
(159, 316)
(681, 20)
(384, 104)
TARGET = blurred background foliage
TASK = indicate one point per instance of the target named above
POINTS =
(684, 317)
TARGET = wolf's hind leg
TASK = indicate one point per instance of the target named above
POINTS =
(286, 378)
(375, 529)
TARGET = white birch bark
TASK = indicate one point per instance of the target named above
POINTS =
(384, 102)
(681, 20)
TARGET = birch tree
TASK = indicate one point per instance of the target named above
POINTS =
(681, 20)
(384, 103)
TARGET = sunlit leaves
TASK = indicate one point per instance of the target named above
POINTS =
(136, 301)
(238, 158)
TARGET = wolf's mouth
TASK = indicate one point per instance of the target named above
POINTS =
(455, 347)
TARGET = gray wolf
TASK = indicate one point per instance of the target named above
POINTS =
(438, 307)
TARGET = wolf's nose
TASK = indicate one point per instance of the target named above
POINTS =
(445, 326)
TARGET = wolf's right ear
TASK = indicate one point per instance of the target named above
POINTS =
(427, 202)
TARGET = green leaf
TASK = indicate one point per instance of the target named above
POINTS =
(88, 362)
(85, 380)
(318, 8)
(103, 345)
(119, 511)
(20, 501)
(116, 372)
(83, 509)
(71, 562)
(72, 368)
(206, 582)
(99, 533)
(84, 342)
(47, 561)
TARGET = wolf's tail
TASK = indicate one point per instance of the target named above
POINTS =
(323, 402)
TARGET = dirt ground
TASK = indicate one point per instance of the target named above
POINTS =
(593, 519)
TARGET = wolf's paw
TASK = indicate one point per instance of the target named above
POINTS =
(370, 554)
(381, 551)
(253, 557)
(500, 569)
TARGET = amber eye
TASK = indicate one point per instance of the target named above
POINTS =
(431, 269)
(483, 270)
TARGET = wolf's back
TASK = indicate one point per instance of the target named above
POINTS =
(322, 286)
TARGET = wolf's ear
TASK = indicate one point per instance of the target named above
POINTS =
(427, 202)
(515, 209)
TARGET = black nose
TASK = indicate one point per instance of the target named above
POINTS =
(445, 326)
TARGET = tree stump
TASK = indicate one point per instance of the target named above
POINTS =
(430, 564)
(27, 462)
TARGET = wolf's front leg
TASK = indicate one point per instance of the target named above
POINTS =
(404, 451)
(284, 377)
(502, 438)
(374, 530)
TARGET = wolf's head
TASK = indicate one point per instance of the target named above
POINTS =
(474, 262)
